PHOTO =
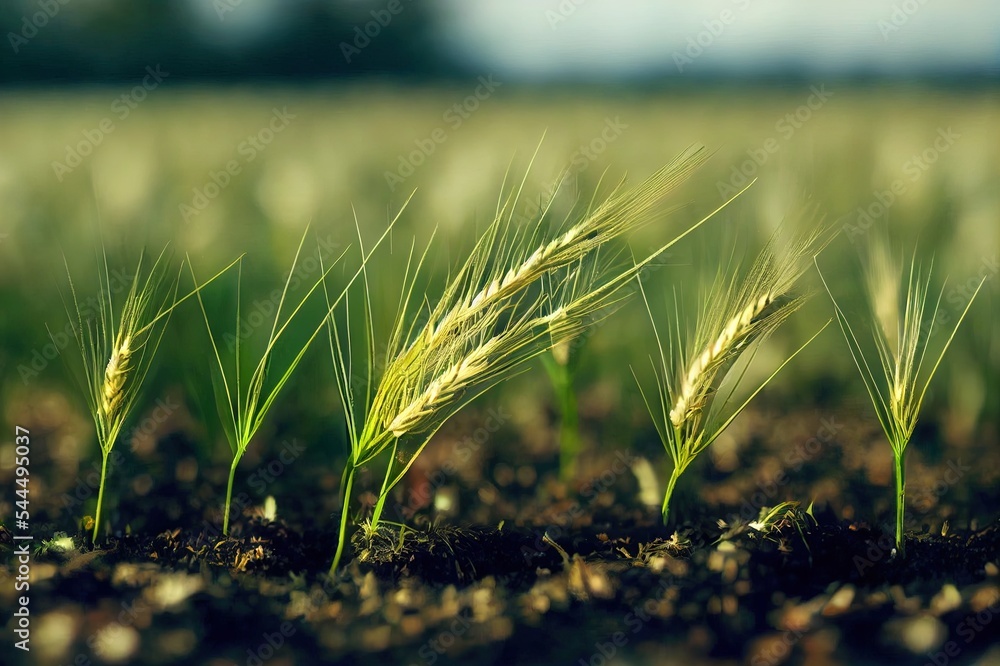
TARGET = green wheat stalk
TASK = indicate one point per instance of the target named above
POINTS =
(511, 300)
(243, 404)
(560, 366)
(563, 358)
(117, 348)
(739, 311)
(897, 384)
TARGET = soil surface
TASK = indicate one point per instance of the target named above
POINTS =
(501, 563)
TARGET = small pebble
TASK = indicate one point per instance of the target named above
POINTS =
(54, 634)
(540, 603)
(173, 588)
(840, 602)
(503, 474)
(772, 649)
(799, 617)
(404, 597)
(589, 580)
(730, 570)
(904, 604)
(730, 605)
(716, 561)
(177, 642)
(657, 564)
(500, 628)
(919, 634)
(526, 476)
(369, 586)
(376, 638)
(985, 598)
(371, 600)
(412, 625)
(948, 599)
(115, 642)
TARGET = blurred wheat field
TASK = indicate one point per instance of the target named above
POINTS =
(217, 174)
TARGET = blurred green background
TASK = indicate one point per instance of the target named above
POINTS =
(331, 161)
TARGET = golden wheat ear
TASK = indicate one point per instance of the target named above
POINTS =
(738, 312)
(114, 378)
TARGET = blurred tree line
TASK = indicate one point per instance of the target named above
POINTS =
(90, 41)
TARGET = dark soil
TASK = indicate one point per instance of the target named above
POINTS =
(573, 575)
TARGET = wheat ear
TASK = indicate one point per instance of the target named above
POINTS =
(515, 279)
(115, 374)
(441, 390)
(699, 376)
(621, 212)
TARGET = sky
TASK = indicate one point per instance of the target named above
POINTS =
(551, 39)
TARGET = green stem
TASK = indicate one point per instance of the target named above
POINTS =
(569, 417)
(100, 494)
(900, 501)
(380, 502)
(569, 431)
(229, 496)
(349, 482)
(674, 475)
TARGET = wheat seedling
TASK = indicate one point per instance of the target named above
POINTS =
(560, 365)
(563, 359)
(496, 313)
(901, 342)
(243, 406)
(738, 313)
(117, 348)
